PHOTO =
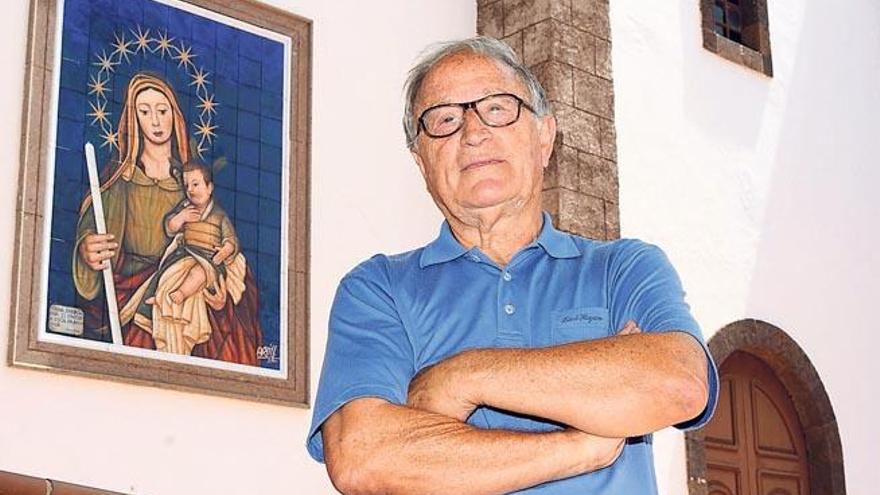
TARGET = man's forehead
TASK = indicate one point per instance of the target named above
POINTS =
(465, 75)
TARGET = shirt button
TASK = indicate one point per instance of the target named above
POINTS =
(507, 276)
(509, 309)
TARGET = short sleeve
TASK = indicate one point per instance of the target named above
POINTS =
(645, 288)
(368, 351)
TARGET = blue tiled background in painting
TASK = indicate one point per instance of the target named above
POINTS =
(245, 74)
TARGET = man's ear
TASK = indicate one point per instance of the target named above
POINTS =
(418, 158)
(546, 137)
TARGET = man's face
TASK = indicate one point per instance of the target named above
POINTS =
(481, 167)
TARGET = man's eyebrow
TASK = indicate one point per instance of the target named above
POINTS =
(484, 93)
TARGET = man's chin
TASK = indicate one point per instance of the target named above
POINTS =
(488, 193)
(489, 202)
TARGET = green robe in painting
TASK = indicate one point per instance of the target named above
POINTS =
(133, 212)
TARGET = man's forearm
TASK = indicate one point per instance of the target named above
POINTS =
(372, 446)
(621, 386)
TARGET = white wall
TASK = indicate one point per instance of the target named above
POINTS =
(367, 196)
(760, 197)
(759, 189)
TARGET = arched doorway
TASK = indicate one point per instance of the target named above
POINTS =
(772, 390)
(754, 443)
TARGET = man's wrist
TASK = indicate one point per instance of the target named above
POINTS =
(577, 455)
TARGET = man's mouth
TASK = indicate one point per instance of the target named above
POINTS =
(477, 164)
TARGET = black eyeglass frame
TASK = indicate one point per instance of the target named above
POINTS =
(472, 104)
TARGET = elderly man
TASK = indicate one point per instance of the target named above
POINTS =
(505, 354)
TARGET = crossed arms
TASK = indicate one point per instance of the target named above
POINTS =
(604, 390)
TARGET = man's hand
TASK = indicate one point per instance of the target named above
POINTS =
(440, 389)
(600, 452)
(629, 328)
(372, 446)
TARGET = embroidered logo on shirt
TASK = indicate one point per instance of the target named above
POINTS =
(584, 317)
(581, 317)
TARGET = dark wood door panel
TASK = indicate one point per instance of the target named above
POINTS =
(754, 444)
(721, 431)
(724, 480)
(780, 484)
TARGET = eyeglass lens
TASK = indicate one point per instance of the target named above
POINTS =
(494, 111)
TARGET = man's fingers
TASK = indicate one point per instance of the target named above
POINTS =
(629, 328)
(618, 450)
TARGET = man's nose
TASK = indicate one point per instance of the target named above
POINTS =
(473, 130)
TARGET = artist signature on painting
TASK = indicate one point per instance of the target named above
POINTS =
(268, 353)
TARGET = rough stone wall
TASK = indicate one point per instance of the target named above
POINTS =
(567, 43)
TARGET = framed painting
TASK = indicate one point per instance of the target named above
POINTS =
(162, 220)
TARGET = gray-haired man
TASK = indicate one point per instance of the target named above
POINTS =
(505, 354)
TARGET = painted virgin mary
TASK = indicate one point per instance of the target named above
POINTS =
(138, 188)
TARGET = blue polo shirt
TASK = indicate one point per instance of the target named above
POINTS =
(394, 315)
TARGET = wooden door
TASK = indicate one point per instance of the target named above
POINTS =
(754, 443)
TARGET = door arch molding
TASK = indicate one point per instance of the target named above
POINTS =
(793, 368)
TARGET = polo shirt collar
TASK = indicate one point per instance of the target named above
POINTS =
(447, 248)
(556, 243)
(444, 248)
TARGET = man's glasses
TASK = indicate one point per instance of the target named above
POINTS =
(499, 110)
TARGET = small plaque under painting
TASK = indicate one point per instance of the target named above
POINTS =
(66, 320)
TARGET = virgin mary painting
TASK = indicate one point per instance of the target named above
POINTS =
(140, 187)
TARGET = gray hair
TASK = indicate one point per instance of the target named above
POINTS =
(481, 45)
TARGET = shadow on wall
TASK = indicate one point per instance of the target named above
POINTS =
(820, 227)
(816, 270)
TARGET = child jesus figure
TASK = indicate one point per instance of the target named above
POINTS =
(203, 255)
(200, 234)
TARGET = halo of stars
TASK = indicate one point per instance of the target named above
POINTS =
(141, 42)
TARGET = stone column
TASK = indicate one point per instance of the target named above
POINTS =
(567, 43)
